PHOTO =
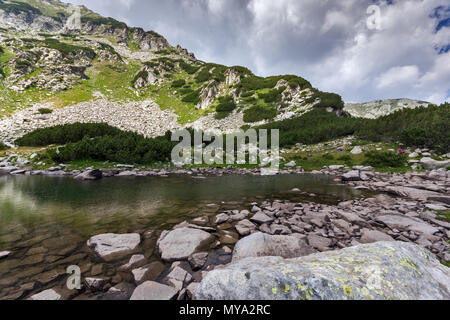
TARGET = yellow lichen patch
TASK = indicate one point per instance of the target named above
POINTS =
(285, 272)
(348, 291)
(366, 293)
(287, 288)
(274, 290)
(408, 263)
(302, 287)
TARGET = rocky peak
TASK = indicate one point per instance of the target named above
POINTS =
(40, 16)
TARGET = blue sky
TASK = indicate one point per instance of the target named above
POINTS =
(326, 41)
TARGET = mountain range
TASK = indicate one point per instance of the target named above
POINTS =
(49, 64)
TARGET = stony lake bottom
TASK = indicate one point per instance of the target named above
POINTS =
(46, 221)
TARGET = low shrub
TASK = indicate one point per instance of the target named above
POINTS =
(124, 147)
(193, 97)
(66, 48)
(273, 95)
(45, 111)
(178, 83)
(222, 115)
(190, 69)
(63, 134)
(3, 146)
(380, 159)
(259, 113)
(226, 104)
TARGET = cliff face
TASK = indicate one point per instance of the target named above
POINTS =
(379, 108)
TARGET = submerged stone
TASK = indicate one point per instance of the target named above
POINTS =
(114, 246)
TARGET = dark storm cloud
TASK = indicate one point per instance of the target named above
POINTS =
(326, 41)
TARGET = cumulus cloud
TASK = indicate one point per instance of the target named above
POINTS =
(398, 76)
(328, 42)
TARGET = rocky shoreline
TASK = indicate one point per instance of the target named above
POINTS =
(407, 210)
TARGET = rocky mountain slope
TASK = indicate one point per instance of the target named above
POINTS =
(67, 60)
(379, 108)
(46, 59)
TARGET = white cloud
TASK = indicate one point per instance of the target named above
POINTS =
(398, 76)
(326, 42)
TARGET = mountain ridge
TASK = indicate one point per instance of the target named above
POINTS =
(47, 66)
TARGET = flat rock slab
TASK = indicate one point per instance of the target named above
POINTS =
(441, 198)
(261, 218)
(148, 273)
(378, 271)
(370, 236)
(112, 246)
(261, 244)
(412, 193)
(136, 261)
(406, 223)
(46, 295)
(180, 243)
(151, 290)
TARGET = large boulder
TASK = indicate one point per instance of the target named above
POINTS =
(112, 246)
(90, 175)
(430, 164)
(378, 271)
(353, 175)
(180, 243)
(261, 244)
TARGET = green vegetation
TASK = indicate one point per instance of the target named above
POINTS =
(189, 69)
(3, 146)
(178, 83)
(155, 34)
(444, 216)
(327, 100)
(16, 7)
(313, 127)
(193, 97)
(259, 113)
(143, 74)
(273, 95)
(253, 82)
(379, 159)
(211, 71)
(66, 48)
(226, 104)
(99, 141)
(225, 107)
(45, 111)
(63, 134)
(125, 147)
(98, 20)
(421, 127)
